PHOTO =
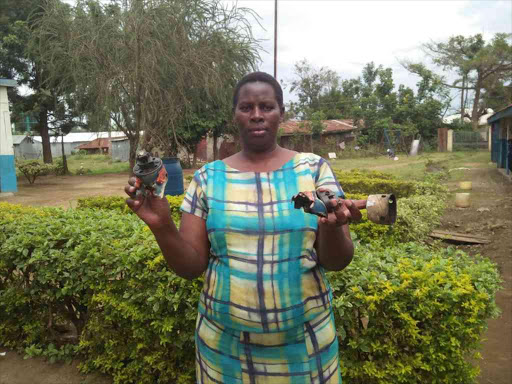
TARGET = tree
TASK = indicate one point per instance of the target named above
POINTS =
(17, 61)
(372, 100)
(145, 65)
(317, 90)
(496, 93)
(477, 62)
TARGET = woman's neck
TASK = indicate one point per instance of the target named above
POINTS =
(257, 157)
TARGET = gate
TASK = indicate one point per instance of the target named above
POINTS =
(467, 140)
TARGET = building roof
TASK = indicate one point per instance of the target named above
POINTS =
(482, 120)
(17, 139)
(118, 138)
(505, 112)
(8, 83)
(80, 137)
(330, 126)
(95, 144)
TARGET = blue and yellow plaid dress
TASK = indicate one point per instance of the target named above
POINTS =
(264, 312)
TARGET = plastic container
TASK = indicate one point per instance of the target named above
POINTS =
(465, 185)
(174, 185)
(462, 200)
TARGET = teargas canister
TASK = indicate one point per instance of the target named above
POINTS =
(381, 209)
(150, 174)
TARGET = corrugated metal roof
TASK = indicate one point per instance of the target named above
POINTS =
(330, 126)
(80, 137)
(482, 120)
(17, 139)
(504, 112)
(8, 83)
(95, 144)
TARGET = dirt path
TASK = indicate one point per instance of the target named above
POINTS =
(490, 191)
(492, 195)
(64, 191)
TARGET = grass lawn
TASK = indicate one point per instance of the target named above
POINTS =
(414, 167)
(407, 167)
(97, 164)
(93, 164)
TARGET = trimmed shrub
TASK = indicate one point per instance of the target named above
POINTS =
(363, 182)
(413, 315)
(407, 314)
(102, 271)
(33, 169)
(419, 210)
(99, 273)
(417, 216)
(118, 203)
(369, 183)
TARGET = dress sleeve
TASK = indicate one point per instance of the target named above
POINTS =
(325, 178)
(195, 201)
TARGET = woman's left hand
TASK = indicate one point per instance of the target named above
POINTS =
(345, 212)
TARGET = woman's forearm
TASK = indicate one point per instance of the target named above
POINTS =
(334, 246)
(180, 255)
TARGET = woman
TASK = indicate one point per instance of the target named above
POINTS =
(264, 312)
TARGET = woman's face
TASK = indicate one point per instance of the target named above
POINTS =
(258, 116)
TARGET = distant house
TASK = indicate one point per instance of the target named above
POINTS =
(334, 131)
(120, 149)
(292, 135)
(25, 147)
(73, 140)
(483, 126)
(96, 146)
(501, 138)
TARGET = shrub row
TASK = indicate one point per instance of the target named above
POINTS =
(412, 315)
(117, 203)
(404, 315)
(99, 273)
(374, 182)
(102, 271)
(417, 216)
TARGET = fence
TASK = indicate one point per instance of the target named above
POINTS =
(466, 140)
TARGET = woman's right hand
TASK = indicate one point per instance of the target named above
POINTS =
(153, 210)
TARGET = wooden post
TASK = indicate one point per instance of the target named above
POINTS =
(449, 141)
(442, 136)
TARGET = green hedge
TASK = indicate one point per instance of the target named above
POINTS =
(420, 206)
(102, 271)
(117, 203)
(417, 216)
(373, 182)
(413, 315)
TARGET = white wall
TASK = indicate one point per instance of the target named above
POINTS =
(6, 146)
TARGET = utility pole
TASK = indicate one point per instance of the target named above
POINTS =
(275, 39)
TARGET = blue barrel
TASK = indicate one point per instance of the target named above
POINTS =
(175, 173)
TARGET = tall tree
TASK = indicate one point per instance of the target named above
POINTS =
(496, 93)
(141, 64)
(318, 89)
(476, 61)
(372, 100)
(18, 61)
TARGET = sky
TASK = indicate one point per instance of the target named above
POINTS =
(344, 35)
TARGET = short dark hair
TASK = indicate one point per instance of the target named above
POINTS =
(264, 78)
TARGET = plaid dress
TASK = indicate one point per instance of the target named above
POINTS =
(264, 311)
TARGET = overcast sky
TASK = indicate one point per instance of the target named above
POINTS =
(345, 35)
